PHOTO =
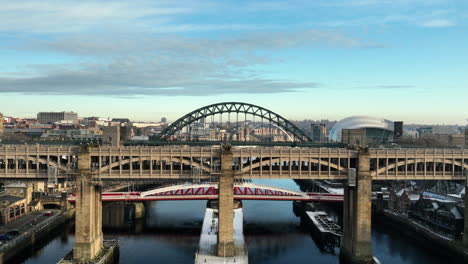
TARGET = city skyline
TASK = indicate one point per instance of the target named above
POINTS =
(158, 119)
(399, 60)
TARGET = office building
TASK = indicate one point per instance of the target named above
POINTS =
(319, 132)
(397, 129)
(52, 117)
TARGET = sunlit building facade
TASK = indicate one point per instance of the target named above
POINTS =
(376, 130)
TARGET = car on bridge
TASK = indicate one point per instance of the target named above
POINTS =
(48, 213)
(12, 233)
(4, 237)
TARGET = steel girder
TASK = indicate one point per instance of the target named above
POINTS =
(232, 107)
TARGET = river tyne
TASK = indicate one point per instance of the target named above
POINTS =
(170, 233)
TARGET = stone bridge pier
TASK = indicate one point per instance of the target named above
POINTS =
(88, 217)
(465, 229)
(226, 205)
(356, 244)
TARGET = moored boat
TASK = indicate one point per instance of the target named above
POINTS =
(324, 227)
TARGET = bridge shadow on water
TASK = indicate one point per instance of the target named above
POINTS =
(269, 243)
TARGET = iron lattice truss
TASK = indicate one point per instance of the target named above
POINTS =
(233, 107)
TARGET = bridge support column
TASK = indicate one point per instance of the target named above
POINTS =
(88, 218)
(139, 210)
(226, 205)
(356, 244)
(465, 230)
(380, 203)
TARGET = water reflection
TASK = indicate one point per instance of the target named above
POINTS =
(392, 245)
(49, 249)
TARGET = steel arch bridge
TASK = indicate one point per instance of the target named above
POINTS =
(233, 107)
(210, 191)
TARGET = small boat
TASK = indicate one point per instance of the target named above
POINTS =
(324, 227)
(324, 224)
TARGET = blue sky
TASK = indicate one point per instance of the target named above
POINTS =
(399, 59)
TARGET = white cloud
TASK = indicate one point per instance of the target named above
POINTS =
(53, 16)
(438, 23)
(125, 48)
(103, 43)
(132, 63)
(393, 3)
(435, 18)
(130, 78)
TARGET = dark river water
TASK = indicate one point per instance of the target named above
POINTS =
(170, 231)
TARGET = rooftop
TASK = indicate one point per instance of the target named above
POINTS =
(6, 200)
(15, 185)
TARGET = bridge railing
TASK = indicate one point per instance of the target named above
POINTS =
(196, 151)
(275, 151)
(418, 152)
(31, 149)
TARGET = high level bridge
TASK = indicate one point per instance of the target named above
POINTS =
(130, 163)
(89, 166)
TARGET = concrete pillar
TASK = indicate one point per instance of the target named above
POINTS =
(139, 210)
(380, 203)
(64, 201)
(88, 218)
(465, 230)
(356, 245)
(1, 126)
(226, 205)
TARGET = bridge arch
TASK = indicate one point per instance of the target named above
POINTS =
(203, 167)
(280, 128)
(272, 188)
(232, 107)
(416, 161)
(214, 187)
(176, 188)
(45, 162)
(276, 160)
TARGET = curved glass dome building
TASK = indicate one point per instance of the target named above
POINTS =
(377, 129)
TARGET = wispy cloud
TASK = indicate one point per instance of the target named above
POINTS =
(373, 3)
(88, 81)
(145, 47)
(104, 43)
(138, 47)
(438, 23)
(386, 87)
(53, 16)
(423, 20)
(144, 64)
(395, 86)
(401, 13)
